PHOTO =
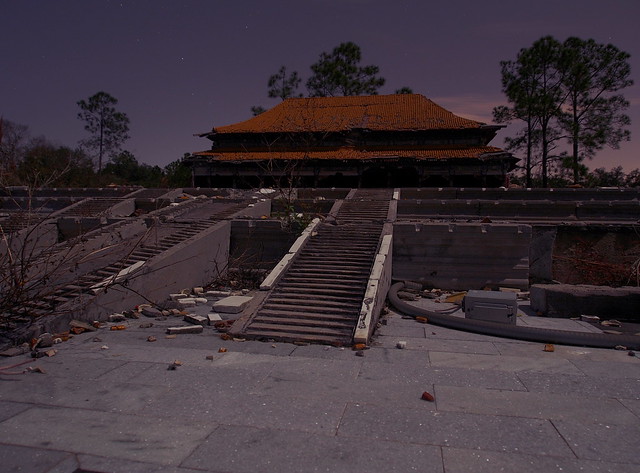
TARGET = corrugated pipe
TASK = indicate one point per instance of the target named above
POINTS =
(531, 334)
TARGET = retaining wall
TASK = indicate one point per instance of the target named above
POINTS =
(462, 256)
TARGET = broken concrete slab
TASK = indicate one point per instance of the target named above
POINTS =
(232, 304)
(564, 300)
(151, 312)
(185, 329)
(187, 302)
(196, 319)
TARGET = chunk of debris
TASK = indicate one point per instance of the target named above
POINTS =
(81, 325)
(427, 396)
(212, 318)
(118, 327)
(401, 345)
(611, 323)
(117, 317)
(359, 353)
(151, 338)
(44, 341)
(222, 350)
(359, 346)
(422, 320)
(590, 318)
(217, 293)
(455, 298)
(223, 325)
(232, 304)
(187, 302)
(196, 319)
(549, 348)
(185, 329)
(146, 325)
(151, 312)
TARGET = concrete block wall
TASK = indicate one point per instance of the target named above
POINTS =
(259, 243)
(462, 256)
(521, 194)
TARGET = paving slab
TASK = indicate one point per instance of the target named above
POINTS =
(75, 366)
(97, 395)
(602, 442)
(533, 405)
(8, 409)
(92, 463)
(214, 376)
(382, 392)
(410, 329)
(232, 304)
(95, 464)
(106, 434)
(453, 429)
(263, 450)
(458, 460)
(632, 404)
(15, 458)
(564, 351)
(503, 363)
(492, 379)
(323, 351)
(620, 388)
(558, 324)
(443, 345)
(610, 369)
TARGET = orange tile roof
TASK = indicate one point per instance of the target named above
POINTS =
(348, 153)
(373, 112)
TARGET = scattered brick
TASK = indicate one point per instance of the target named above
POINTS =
(426, 396)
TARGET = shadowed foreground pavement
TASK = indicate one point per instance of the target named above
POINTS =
(500, 405)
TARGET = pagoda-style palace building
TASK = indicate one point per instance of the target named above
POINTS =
(402, 140)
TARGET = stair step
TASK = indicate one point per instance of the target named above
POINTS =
(306, 323)
(313, 311)
(296, 332)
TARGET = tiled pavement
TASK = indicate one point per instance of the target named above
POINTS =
(500, 405)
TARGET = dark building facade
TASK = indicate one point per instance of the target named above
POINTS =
(403, 140)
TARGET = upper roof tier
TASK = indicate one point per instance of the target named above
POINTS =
(400, 112)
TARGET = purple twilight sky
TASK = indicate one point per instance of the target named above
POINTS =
(182, 67)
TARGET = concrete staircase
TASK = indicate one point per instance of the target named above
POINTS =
(175, 233)
(320, 296)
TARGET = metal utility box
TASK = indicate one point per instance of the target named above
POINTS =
(491, 306)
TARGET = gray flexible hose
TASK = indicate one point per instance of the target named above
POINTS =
(532, 334)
